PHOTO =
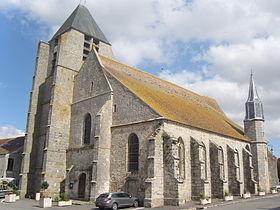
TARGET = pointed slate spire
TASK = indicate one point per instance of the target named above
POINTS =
(254, 107)
(81, 20)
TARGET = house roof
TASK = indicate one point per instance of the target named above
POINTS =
(81, 20)
(173, 102)
(10, 145)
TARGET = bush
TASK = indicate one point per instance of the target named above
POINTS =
(16, 192)
(63, 197)
(57, 198)
(202, 196)
(44, 185)
(13, 185)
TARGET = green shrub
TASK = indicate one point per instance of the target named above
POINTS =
(202, 196)
(63, 197)
(13, 185)
(44, 185)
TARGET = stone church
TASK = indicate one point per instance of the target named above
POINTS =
(96, 125)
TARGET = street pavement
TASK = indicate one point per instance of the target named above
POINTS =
(261, 203)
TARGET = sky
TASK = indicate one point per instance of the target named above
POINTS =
(208, 46)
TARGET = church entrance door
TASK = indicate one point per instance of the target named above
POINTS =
(82, 185)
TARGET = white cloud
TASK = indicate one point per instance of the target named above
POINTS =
(162, 22)
(147, 49)
(231, 96)
(235, 61)
(9, 131)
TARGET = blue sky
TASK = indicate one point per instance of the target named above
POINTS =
(18, 50)
(206, 46)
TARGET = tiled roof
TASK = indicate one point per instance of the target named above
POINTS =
(173, 102)
(11, 145)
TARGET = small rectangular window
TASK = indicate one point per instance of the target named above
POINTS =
(115, 108)
(10, 164)
(86, 52)
(87, 38)
(86, 45)
(91, 86)
(95, 41)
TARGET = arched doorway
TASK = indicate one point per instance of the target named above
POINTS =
(82, 186)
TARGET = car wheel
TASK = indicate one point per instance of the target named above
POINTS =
(135, 204)
(114, 206)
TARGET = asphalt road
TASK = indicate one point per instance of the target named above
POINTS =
(258, 203)
(265, 203)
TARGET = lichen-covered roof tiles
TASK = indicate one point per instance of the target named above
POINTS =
(11, 145)
(173, 102)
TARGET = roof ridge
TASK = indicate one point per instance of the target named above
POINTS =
(152, 75)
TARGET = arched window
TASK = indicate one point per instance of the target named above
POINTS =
(237, 164)
(87, 129)
(133, 153)
(181, 153)
(221, 162)
(203, 161)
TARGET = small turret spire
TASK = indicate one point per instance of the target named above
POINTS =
(254, 107)
(253, 93)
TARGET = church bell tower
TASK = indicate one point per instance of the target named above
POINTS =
(48, 121)
(254, 130)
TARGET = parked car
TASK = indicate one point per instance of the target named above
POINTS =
(115, 200)
(4, 192)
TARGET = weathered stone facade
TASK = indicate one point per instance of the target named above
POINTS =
(278, 167)
(48, 123)
(272, 169)
(11, 157)
(89, 132)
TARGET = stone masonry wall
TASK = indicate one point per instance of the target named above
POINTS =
(197, 185)
(216, 179)
(234, 180)
(106, 50)
(249, 182)
(278, 168)
(254, 130)
(75, 157)
(171, 191)
(187, 133)
(3, 165)
(129, 108)
(272, 168)
(92, 95)
(120, 177)
(68, 62)
(38, 79)
(17, 157)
